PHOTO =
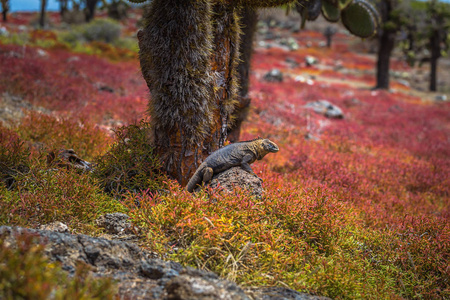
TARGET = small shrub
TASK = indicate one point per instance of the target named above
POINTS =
(102, 30)
(25, 273)
(130, 165)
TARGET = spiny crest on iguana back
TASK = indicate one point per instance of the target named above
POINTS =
(240, 154)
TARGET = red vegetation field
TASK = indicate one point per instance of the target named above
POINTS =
(360, 209)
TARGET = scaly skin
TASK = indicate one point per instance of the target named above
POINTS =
(237, 154)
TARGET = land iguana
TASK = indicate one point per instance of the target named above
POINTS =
(237, 154)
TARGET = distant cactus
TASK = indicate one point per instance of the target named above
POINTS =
(329, 32)
(5, 9)
(427, 35)
(360, 17)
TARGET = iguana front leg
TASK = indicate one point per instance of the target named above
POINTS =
(245, 164)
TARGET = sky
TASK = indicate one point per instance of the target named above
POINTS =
(33, 5)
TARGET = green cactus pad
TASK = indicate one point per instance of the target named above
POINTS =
(344, 3)
(360, 18)
(309, 10)
(330, 11)
(138, 1)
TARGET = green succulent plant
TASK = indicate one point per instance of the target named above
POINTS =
(360, 17)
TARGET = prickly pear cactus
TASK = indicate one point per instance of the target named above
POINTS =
(360, 18)
(331, 11)
(309, 10)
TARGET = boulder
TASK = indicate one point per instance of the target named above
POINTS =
(311, 60)
(325, 108)
(290, 43)
(274, 75)
(237, 177)
(440, 98)
(56, 227)
(115, 223)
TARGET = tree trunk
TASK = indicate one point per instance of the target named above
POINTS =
(329, 40)
(433, 74)
(4, 13)
(386, 45)
(5, 9)
(90, 9)
(435, 47)
(175, 56)
(62, 7)
(249, 19)
(42, 14)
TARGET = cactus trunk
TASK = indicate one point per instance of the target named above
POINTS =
(175, 56)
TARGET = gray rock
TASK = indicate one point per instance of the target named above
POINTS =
(440, 98)
(56, 226)
(311, 60)
(237, 177)
(404, 82)
(4, 31)
(325, 108)
(291, 43)
(137, 276)
(115, 223)
(41, 53)
(274, 75)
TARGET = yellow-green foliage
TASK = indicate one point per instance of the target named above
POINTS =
(43, 196)
(25, 273)
(308, 240)
(130, 165)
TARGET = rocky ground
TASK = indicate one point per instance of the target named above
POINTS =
(136, 273)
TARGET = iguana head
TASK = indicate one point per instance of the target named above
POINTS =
(264, 146)
(269, 146)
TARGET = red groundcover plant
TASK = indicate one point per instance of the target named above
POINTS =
(357, 209)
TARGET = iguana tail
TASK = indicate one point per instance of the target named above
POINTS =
(196, 179)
